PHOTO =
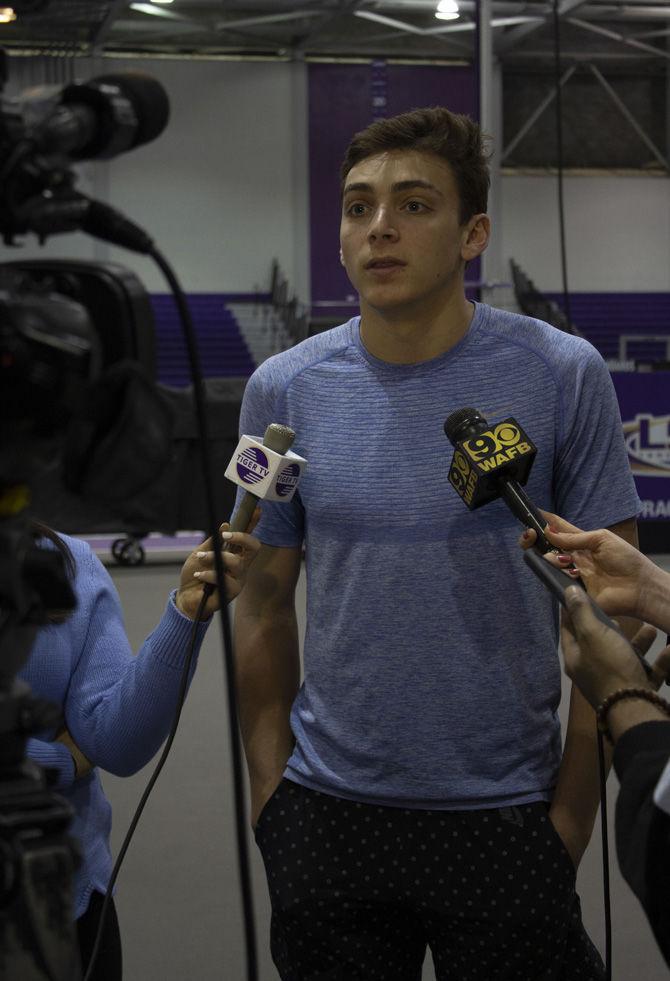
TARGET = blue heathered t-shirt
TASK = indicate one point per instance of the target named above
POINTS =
(431, 675)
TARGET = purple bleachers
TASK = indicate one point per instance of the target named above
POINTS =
(603, 317)
(223, 351)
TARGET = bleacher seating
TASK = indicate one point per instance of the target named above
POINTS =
(223, 351)
(604, 317)
(536, 304)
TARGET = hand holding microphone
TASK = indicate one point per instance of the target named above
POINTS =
(239, 551)
(268, 471)
(622, 580)
(489, 461)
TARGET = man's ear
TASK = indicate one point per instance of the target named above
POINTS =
(476, 235)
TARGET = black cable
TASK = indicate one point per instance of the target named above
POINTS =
(229, 663)
(606, 858)
(181, 696)
(559, 160)
(566, 308)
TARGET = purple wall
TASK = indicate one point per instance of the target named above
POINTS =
(644, 400)
(342, 100)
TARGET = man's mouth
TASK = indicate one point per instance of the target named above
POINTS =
(385, 262)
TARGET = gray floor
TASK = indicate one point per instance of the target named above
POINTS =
(178, 890)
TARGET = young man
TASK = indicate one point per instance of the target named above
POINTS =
(400, 802)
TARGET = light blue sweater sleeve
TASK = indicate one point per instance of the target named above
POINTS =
(53, 756)
(118, 707)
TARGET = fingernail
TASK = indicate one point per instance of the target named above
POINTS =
(226, 535)
(552, 528)
(203, 555)
(196, 575)
(526, 535)
(562, 557)
(573, 595)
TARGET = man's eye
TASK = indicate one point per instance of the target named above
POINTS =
(415, 206)
(356, 209)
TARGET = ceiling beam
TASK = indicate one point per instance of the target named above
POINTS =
(613, 36)
(100, 35)
(535, 115)
(343, 9)
(627, 114)
(518, 34)
(232, 25)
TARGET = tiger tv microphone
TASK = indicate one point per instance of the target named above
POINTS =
(270, 467)
(492, 461)
(267, 470)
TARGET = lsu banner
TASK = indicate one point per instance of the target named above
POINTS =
(644, 401)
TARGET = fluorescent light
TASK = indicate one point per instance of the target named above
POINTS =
(161, 1)
(155, 9)
(7, 15)
(447, 10)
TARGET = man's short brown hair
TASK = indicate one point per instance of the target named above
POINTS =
(455, 138)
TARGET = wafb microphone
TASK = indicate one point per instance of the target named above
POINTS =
(491, 462)
(267, 470)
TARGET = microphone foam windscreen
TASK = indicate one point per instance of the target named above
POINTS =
(147, 97)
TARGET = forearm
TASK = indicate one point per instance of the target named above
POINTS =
(630, 712)
(268, 677)
(655, 599)
(577, 796)
(120, 725)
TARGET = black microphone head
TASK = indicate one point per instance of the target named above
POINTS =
(109, 115)
(486, 457)
(463, 423)
(147, 97)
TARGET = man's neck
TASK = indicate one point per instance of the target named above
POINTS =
(402, 336)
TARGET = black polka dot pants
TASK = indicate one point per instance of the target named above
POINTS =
(359, 892)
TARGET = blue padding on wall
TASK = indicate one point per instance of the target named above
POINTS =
(223, 351)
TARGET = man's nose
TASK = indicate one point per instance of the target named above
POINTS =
(382, 226)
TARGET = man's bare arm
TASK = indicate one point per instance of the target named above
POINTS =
(268, 667)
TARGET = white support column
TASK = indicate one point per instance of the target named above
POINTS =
(300, 278)
(490, 101)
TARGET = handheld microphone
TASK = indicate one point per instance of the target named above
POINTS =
(491, 462)
(105, 116)
(269, 467)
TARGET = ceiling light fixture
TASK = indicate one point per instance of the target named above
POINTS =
(447, 10)
(7, 14)
(156, 10)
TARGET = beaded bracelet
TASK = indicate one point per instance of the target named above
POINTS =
(645, 693)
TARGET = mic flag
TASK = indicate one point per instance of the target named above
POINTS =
(268, 470)
(484, 455)
(491, 462)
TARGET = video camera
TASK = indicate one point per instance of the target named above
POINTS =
(51, 360)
